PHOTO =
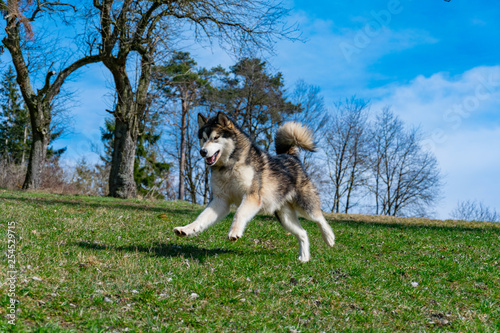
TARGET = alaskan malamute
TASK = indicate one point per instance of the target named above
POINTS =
(245, 175)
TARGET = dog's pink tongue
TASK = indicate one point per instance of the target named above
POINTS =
(211, 159)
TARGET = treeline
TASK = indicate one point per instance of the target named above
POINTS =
(376, 159)
(369, 160)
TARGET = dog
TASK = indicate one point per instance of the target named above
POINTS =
(245, 175)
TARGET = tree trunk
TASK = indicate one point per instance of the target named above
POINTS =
(121, 176)
(182, 158)
(36, 163)
(40, 116)
(129, 115)
(192, 192)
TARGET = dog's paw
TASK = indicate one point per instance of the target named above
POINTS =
(234, 236)
(179, 231)
(304, 258)
(329, 240)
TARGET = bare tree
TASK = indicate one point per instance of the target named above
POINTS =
(404, 178)
(39, 102)
(347, 151)
(472, 210)
(141, 28)
(311, 112)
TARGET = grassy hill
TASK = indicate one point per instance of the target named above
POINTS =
(109, 265)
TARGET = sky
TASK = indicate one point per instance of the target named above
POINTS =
(435, 63)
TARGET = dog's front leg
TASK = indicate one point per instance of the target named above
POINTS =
(250, 206)
(215, 211)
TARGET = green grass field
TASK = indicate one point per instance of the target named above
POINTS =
(92, 264)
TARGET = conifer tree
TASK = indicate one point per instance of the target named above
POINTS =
(14, 121)
(181, 82)
(254, 97)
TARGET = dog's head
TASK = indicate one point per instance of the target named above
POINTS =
(216, 138)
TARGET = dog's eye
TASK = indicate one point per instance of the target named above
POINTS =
(216, 138)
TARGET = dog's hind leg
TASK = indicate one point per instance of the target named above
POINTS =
(249, 207)
(308, 205)
(316, 215)
(215, 211)
(289, 220)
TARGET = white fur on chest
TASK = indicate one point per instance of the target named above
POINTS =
(234, 184)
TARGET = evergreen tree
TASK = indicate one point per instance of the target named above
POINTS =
(254, 97)
(15, 125)
(15, 129)
(179, 81)
(149, 171)
(107, 134)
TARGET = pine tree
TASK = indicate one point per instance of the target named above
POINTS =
(15, 128)
(254, 97)
(179, 80)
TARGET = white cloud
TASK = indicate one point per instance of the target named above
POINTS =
(462, 125)
(338, 58)
(471, 160)
(444, 103)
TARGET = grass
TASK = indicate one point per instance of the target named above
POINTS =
(95, 264)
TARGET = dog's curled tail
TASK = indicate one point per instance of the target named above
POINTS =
(291, 136)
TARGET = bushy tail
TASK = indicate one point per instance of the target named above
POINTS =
(291, 136)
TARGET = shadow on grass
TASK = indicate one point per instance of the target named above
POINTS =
(161, 250)
(110, 205)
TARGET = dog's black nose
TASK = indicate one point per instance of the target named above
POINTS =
(203, 152)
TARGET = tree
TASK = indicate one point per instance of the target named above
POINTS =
(196, 170)
(254, 97)
(39, 102)
(404, 177)
(14, 125)
(311, 111)
(179, 80)
(346, 147)
(150, 172)
(143, 29)
(87, 179)
(472, 210)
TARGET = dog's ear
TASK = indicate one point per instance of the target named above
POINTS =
(223, 120)
(201, 120)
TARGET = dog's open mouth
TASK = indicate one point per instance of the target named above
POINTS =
(212, 159)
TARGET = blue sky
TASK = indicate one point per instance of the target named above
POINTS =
(436, 63)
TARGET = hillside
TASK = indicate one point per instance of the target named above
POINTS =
(103, 264)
